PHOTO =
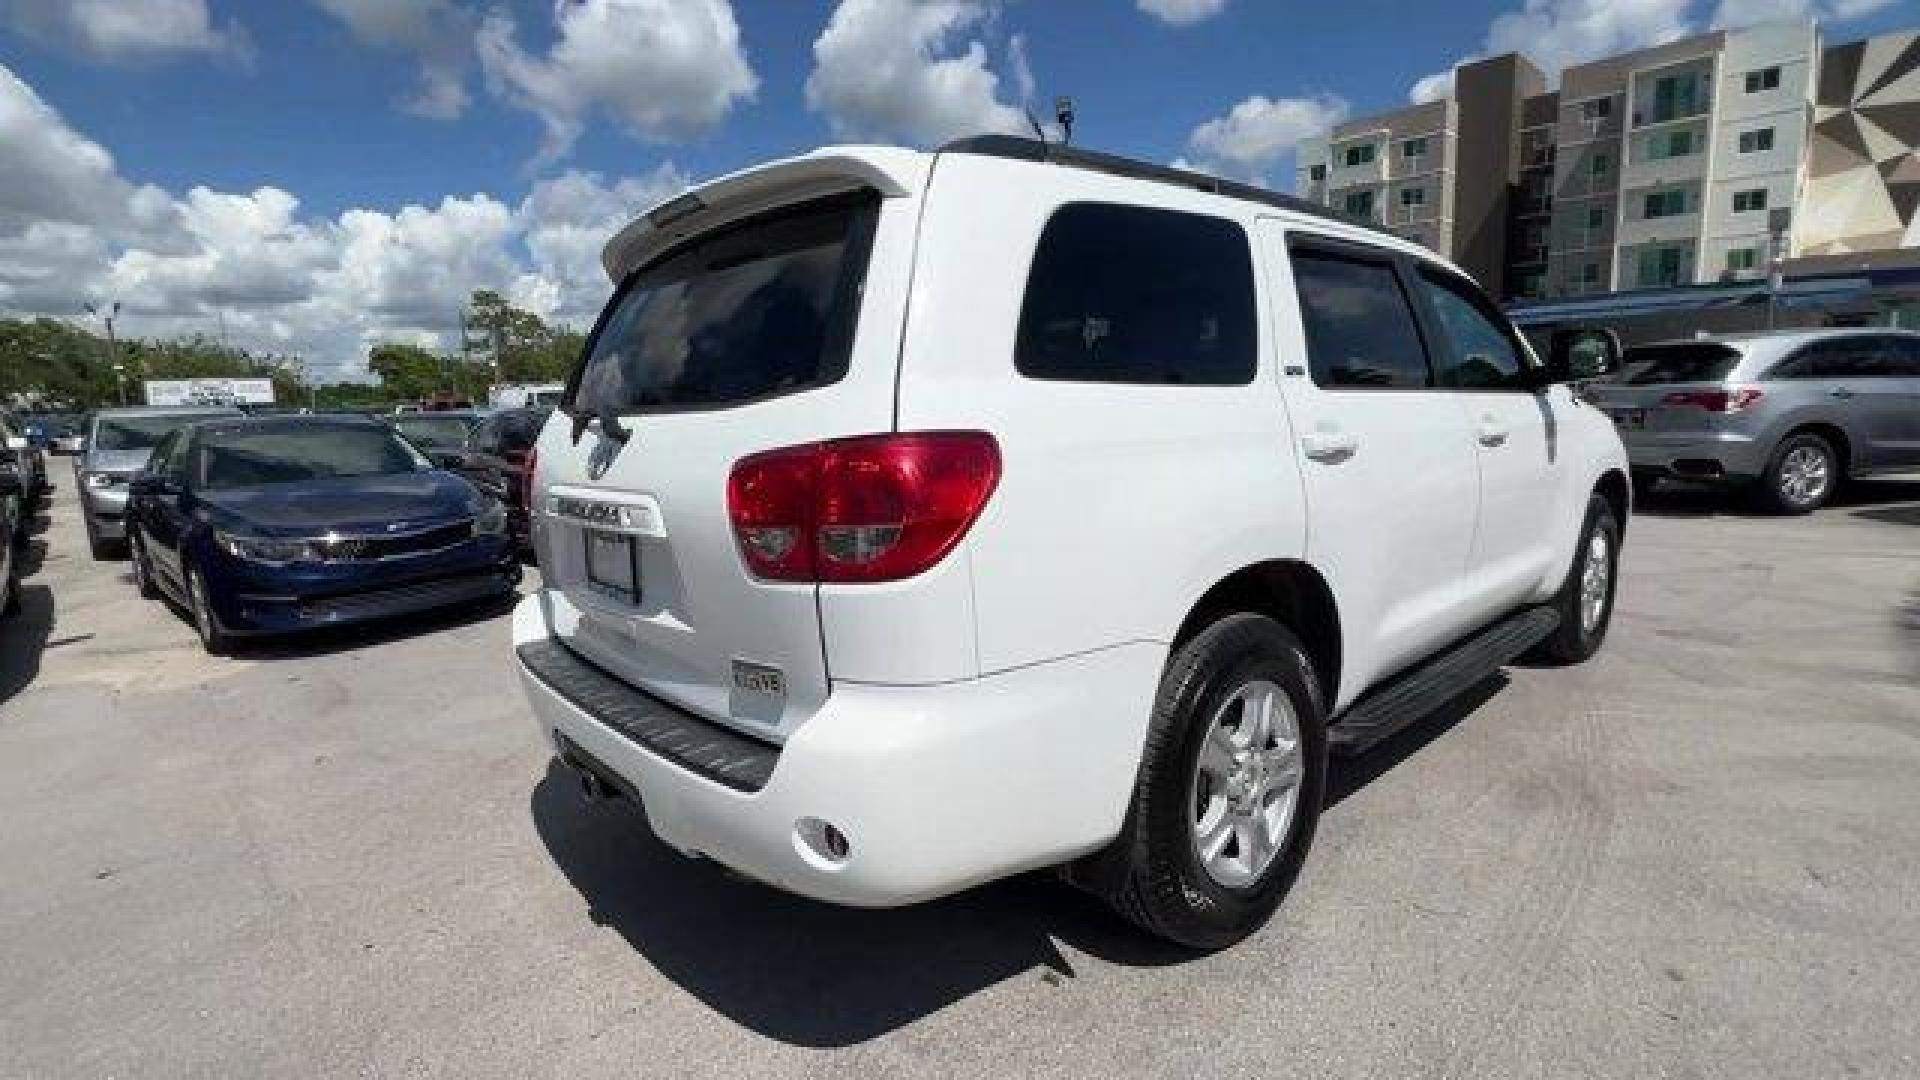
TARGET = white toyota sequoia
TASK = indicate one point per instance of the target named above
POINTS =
(916, 519)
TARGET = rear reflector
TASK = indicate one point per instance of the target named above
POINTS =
(875, 508)
(1720, 401)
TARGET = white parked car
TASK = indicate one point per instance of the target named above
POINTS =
(917, 519)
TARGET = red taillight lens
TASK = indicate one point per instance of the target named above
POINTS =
(1721, 401)
(877, 508)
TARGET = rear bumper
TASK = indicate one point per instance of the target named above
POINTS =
(936, 788)
(1700, 456)
(106, 508)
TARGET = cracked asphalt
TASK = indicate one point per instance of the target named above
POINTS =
(1696, 856)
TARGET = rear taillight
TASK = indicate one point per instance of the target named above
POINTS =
(876, 508)
(1720, 401)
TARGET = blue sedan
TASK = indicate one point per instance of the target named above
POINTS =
(267, 525)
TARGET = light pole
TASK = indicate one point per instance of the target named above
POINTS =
(106, 316)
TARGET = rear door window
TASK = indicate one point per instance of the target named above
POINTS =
(760, 309)
(1360, 327)
(1835, 358)
(1133, 294)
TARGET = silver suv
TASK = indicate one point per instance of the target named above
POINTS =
(118, 442)
(1787, 414)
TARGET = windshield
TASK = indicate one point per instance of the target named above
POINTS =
(1687, 361)
(138, 432)
(298, 453)
(760, 309)
(431, 432)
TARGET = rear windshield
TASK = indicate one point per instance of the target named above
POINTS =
(139, 432)
(293, 454)
(435, 432)
(760, 309)
(1687, 361)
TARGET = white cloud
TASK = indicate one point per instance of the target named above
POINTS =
(437, 32)
(1258, 134)
(128, 30)
(1737, 13)
(73, 229)
(1181, 12)
(907, 70)
(664, 69)
(1558, 33)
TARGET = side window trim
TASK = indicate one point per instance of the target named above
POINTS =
(1435, 330)
(1338, 247)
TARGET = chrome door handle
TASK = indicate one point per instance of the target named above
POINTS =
(1840, 392)
(1329, 446)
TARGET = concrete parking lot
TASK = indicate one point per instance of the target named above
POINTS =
(1696, 856)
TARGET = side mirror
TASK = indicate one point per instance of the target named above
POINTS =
(1581, 353)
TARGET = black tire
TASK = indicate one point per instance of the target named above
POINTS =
(1577, 639)
(1153, 874)
(101, 548)
(1778, 493)
(206, 624)
(142, 569)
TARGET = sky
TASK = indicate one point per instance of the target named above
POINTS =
(315, 176)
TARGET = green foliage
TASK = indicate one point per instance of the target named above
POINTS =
(66, 364)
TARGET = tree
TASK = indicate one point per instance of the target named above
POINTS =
(520, 345)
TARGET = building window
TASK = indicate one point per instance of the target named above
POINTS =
(1596, 217)
(1659, 204)
(1596, 109)
(1360, 203)
(1599, 165)
(1674, 97)
(1414, 148)
(1413, 196)
(1748, 201)
(1742, 260)
(1358, 155)
(1590, 275)
(1757, 141)
(1317, 173)
(1764, 79)
(1660, 267)
(1662, 145)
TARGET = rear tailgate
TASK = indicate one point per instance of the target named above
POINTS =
(772, 321)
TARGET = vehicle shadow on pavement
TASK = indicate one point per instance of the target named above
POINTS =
(23, 638)
(339, 639)
(807, 973)
(1894, 499)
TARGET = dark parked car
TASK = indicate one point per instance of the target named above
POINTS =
(497, 459)
(439, 435)
(27, 458)
(14, 513)
(266, 525)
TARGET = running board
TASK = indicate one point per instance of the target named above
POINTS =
(1418, 691)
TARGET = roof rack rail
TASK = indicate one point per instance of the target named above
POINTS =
(1019, 148)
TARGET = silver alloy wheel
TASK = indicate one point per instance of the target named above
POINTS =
(197, 600)
(1804, 475)
(1246, 784)
(138, 551)
(1594, 577)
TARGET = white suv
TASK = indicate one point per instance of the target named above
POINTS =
(917, 519)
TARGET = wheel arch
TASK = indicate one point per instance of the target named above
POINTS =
(1834, 434)
(1291, 593)
(1613, 487)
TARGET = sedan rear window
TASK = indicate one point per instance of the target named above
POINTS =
(757, 310)
(298, 453)
(1678, 362)
(138, 432)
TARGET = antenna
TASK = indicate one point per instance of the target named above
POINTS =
(1034, 122)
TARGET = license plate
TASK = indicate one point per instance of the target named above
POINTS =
(613, 565)
(1630, 418)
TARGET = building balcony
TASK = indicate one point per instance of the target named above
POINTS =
(1664, 172)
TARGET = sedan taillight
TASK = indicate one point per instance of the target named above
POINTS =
(875, 508)
(1719, 401)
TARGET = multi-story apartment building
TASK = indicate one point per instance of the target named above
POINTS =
(1697, 161)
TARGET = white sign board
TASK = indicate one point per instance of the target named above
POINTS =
(209, 391)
